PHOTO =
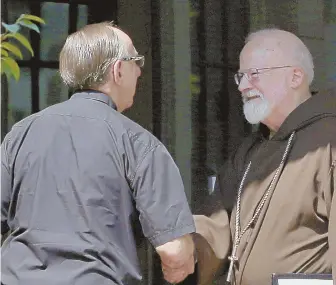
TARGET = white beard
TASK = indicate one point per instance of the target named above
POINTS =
(256, 110)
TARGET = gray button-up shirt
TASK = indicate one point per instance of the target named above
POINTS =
(72, 176)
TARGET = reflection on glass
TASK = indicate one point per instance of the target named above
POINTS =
(19, 97)
(15, 8)
(52, 90)
(54, 33)
(82, 16)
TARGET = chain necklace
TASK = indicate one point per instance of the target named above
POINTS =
(238, 233)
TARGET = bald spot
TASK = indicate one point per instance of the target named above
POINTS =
(124, 38)
(280, 47)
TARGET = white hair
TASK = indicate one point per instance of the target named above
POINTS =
(301, 54)
(88, 54)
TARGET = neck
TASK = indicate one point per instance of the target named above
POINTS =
(113, 94)
(274, 121)
(279, 114)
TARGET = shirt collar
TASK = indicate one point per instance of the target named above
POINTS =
(94, 95)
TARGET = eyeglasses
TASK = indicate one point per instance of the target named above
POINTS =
(139, 59)
(253, 73)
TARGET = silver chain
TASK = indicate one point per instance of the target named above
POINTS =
(238, 235)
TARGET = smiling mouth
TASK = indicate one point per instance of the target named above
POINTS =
(247, 99)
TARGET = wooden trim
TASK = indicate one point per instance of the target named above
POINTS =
(156, 69)
(87, 2)
(199, 160)
(34, 67)
(224, 99)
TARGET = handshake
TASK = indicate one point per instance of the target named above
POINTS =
(178, 258)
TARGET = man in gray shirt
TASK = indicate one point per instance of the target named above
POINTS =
(73, 174)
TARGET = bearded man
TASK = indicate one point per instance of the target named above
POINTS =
(274, 209)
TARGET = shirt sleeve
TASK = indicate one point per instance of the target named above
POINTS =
(160, 198)
(5, 188)
(213, 241)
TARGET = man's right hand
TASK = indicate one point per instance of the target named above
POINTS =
(177, 258)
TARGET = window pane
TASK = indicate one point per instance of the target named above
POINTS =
(82, 16)
(54, 33)
(15, 8)
(52, 90)
(19, 97)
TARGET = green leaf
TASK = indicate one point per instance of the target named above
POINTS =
(10, 67)
(193, 14)
(12, 48)
(192, 11)
(4, 36)
(6, 69)
(23, 40)
(13, 28)
(3, 52)
(29, 25)
(194, 78)
(32, 17)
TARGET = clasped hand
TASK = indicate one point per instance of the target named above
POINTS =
(177, 259)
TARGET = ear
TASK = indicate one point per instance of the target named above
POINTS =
(297, 77)
(118, 72)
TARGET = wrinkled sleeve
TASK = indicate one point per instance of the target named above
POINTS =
(213, 238)
(159, 195)
(5, 188)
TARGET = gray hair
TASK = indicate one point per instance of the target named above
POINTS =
(88, 53)
(301, 54)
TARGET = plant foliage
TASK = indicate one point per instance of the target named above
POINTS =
(12, 41)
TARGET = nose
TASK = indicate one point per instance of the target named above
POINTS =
(244, 84)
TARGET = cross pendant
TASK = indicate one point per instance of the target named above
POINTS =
(232, 259)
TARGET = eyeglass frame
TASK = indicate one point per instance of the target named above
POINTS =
(238, 76)
(137, 58)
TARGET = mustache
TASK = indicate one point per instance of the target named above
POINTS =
(251, 94)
